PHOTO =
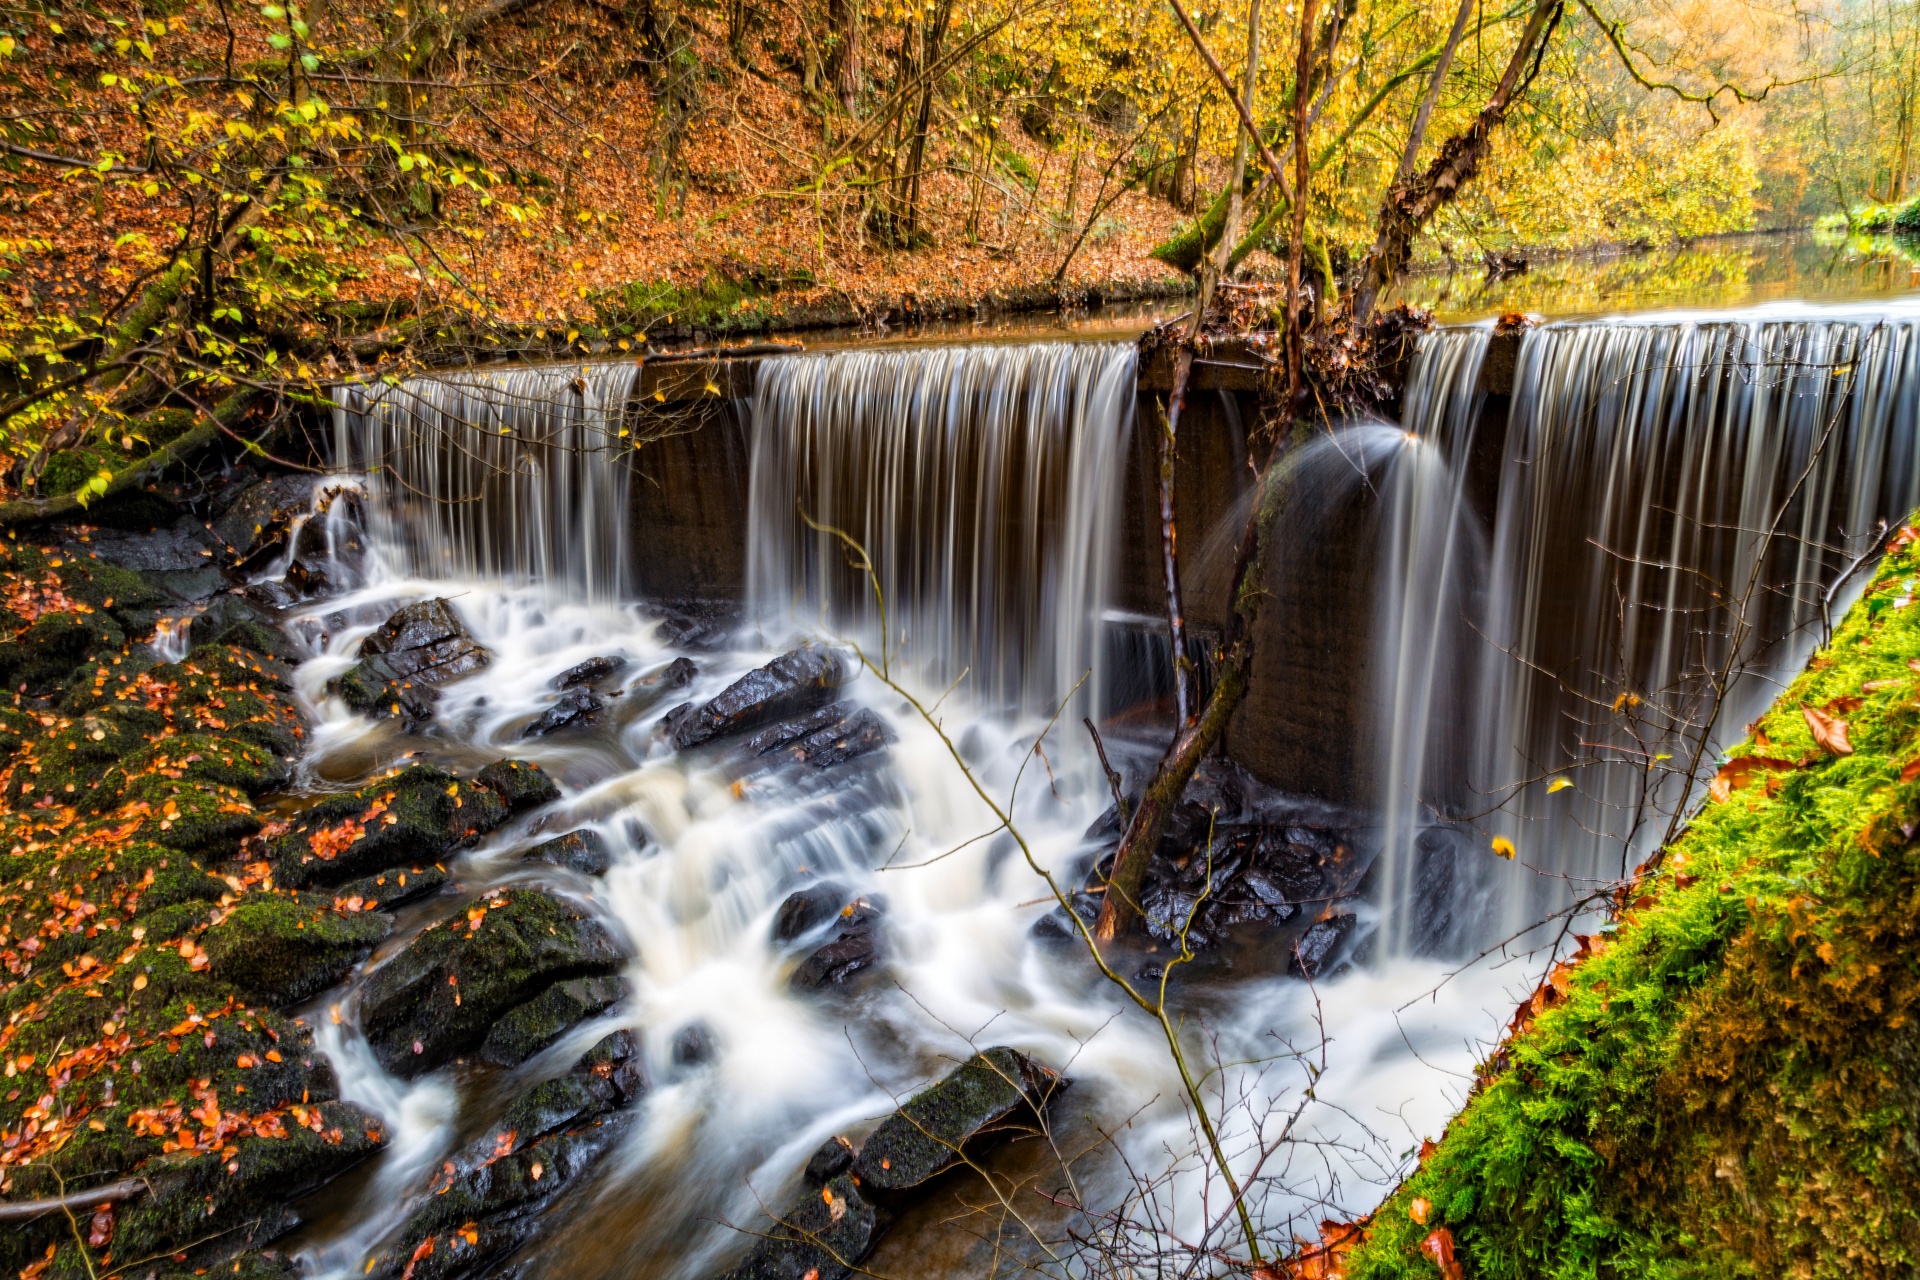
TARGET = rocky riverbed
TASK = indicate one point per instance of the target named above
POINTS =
(177, 909)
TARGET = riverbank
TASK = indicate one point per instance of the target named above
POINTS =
(1724, 1081)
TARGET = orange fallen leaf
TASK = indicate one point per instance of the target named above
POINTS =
(1439, 1246)
(1829, 733)
(1736, 773)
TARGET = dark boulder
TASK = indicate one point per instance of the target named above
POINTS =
(582, 851)
(426, 641)
(577, 708)
(824, 1236)
(443, 993)
(592, 671)
(806, 909)
(833, 735)
(693, 1045)
(255, 527)
(405, 659)
(521, 784)
(495, 1195)
(282, 950)
(834, 1158)
(994, 1095)
(393, 888)
(235, 620)
(791, 685)
(541, 1021)
(851, 1200)
(330, 545)
(411, 817)
(855, 946)
(1319, 946)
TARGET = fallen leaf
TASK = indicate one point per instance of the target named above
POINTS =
(1439, 1246)
(1738, 772)
(100, 1227)
(1830, 733)
(1420, 1210)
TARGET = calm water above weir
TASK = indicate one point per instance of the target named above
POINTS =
(1543, 597)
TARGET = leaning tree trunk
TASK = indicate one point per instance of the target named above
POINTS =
(1406, 213)
(1410, 205)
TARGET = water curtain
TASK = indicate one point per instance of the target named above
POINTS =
(515, 474)
(984, 482)
(1651, 469)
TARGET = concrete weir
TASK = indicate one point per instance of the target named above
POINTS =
(1303, 726)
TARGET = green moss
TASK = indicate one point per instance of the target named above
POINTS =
(1731, 1084)
(286, 949)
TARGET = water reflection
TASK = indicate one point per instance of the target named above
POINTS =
(1730, 271)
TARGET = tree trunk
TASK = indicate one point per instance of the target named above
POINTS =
(1411, 205)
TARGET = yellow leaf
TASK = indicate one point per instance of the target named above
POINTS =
(1503, 847)
(712, 390)
(1559, 784)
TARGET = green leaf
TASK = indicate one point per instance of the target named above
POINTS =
(95, 486)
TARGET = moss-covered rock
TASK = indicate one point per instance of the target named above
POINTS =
(489, 1199)
(991, 1096)
(414, 816)
(282, 950)
(541, 1021)
(441, 995)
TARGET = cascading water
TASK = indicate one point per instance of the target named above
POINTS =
(505, 473)
(984, 484)
(1676, 494)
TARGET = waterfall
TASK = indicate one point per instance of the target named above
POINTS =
(984, 483)
(515, 474)
(1645, 461)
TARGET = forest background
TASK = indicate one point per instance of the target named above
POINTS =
(198, 196)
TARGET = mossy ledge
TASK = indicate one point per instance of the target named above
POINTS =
(1727, 1082)
(149, 951)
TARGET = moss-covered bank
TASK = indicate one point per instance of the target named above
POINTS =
(1728, 1082)
(155, 924)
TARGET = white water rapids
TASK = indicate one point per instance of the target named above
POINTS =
(706, 849)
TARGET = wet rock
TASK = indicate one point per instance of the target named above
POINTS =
(806, 909)
(235, 620)
(692, 1045)
(823, 1236)
(495, 1195)
(996, 1094)
(856, 946)
(411, 817)
(1318, 947)
(393, 888)
(282, 950)
(208, 1200)
(255, 528)
(592, 671)
(541, 1021)
(791, 685)
(427, 641)
(832, 735)
(405, 659)
(522, 784)
(577, 708)
(677, 674)
(703, 629)
(330, 545)
(834, 1158)
(442, 994)
(582, 851)
(181, 558)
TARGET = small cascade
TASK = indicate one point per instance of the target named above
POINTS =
(1676, 496)
(983, 482)
(516, 474)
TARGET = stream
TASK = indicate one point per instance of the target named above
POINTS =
(984, 482)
